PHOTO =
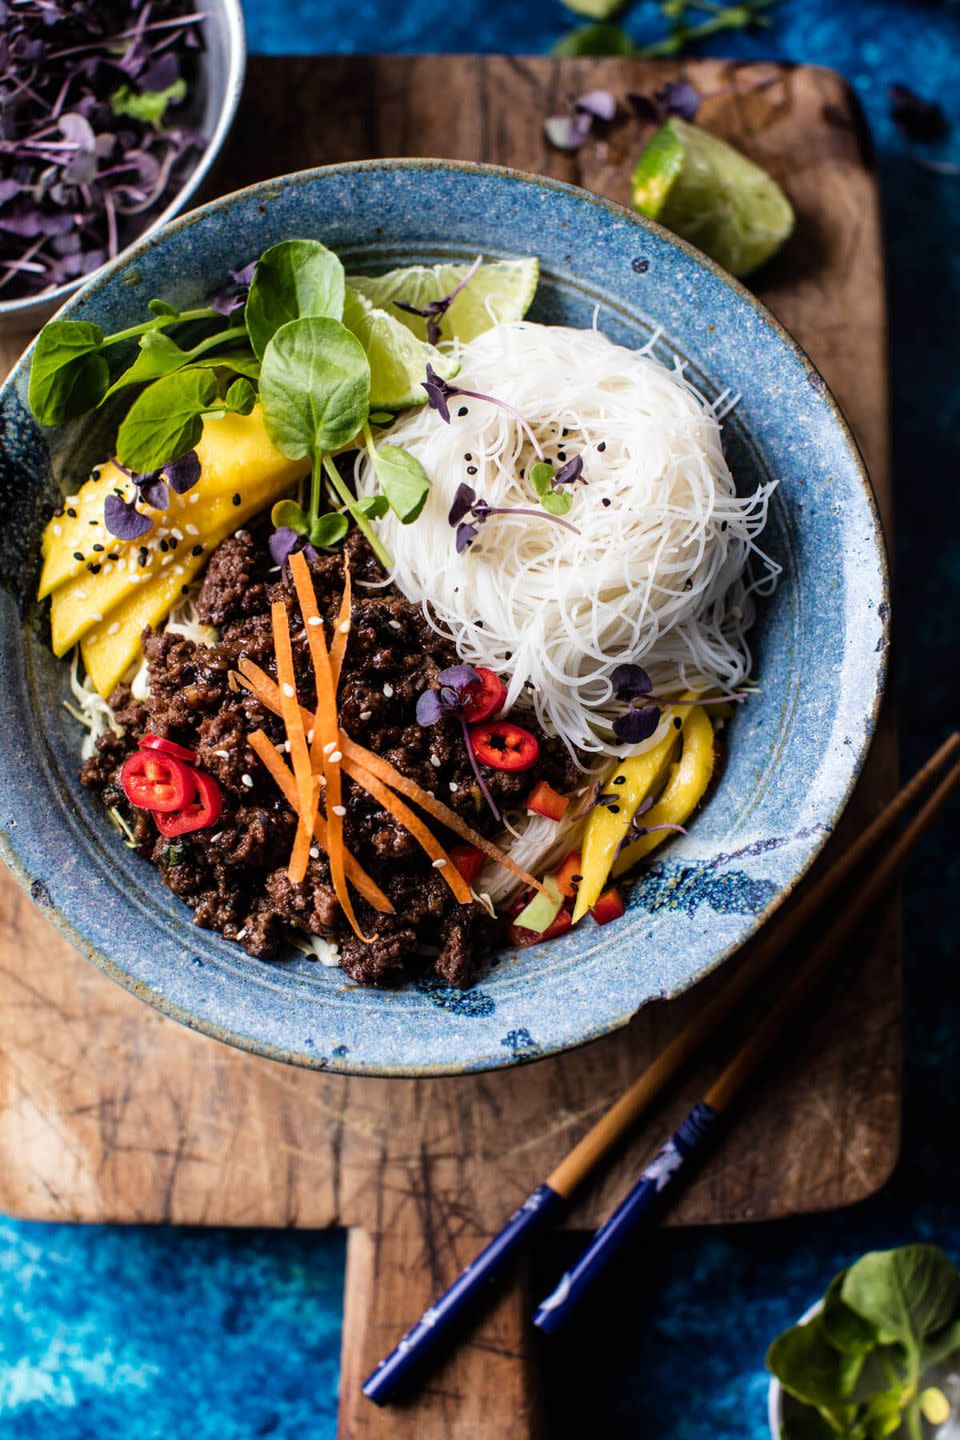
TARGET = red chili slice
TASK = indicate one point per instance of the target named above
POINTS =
(168, 747)
(504, 746)
(544, 800)
(468, 860)
(484, 698)
(519, 937)
(202, 811)
(153, 781)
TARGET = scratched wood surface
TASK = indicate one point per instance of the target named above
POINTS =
(110, 1112)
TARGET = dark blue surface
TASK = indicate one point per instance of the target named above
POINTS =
(238, 1333)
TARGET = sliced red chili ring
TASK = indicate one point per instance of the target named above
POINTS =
(203, 810)
(484, 697)
(169, 747)
(153, 781)
(504, 746)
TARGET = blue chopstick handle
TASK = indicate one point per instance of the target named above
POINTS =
(637, 1209)
(445, 1314)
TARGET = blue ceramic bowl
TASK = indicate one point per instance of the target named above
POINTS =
(794, 751)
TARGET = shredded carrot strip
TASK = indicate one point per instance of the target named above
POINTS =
(265, 690)
(300, 855)
(326, 731)
(265, 751)
(290, 708)
(338, 646)
(418, 830)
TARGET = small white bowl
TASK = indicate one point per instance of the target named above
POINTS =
(775, 1392)
(223, 63)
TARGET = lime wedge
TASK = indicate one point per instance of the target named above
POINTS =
(500, 291)
(705, 190)
(398, 360)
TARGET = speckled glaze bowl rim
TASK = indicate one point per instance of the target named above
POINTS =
(24, 309)
(493, 1061)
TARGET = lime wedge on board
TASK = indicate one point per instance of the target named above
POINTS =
(398, 360)
(704, 190)
(500, 291)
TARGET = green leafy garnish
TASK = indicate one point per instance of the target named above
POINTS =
(401, 477)
(165, 420)
(69, 374)
(147, 106)
(293, 280)
(315, 386)
(856, 1367)
(542, 477)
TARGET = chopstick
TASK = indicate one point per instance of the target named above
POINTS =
(643, 1202)
(434, 1327)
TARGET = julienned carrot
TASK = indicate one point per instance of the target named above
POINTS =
(263, 748)
(325, 742)
(265, 689)
(290, 708)
(339, 644)
(420, 832)
(300, 854)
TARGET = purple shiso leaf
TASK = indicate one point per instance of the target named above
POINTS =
(600, 104)
(281, 543)
(459, 677)
(677, 97)
(466, 534)
(124, 520)
(184, 473)
(572, 470)
(438, 393)
(463, 502)
(630, 681)
(434, 312)
(568, 132)
(429, 708)
(153, 491)
(636, 725)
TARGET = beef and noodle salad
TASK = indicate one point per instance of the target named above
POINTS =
(400, 627)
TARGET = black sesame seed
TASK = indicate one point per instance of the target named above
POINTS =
(184, 589)
(98, 547)
(197, 550)
(71, 512)
(93, 522)
(564, 433)
(463, 410)
(619, 779)
(173, 542)
(677, 723)
(236, 499)
(602, 446)
(614, 809)
(471, 469)
(605, 502)
(77, 555)
(561, 455)
(94, 569)
(723, 527)
(111, 556)
(94, 474)
(468, 456)
(164, 545)
(59, 511)
(576, 879)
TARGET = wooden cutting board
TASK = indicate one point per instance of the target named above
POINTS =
(109, 1112)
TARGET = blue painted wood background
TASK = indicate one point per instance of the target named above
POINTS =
(138, 1333)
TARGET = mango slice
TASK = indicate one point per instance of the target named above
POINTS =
(111, 647)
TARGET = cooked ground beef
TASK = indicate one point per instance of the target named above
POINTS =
(234, 875)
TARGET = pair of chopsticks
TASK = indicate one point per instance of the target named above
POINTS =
(434, 1327)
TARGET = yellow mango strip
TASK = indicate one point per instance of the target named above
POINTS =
(112, 644)
(609, 821)
(683, 793)
(68, 536)
(355, 757)
(326, 730)
(342, 629)
(279, 773)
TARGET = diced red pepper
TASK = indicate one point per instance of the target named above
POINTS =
(202, 811)
(544, 800)
(468, 860)
(483, 699)
(504, 746)
(168, 747)
(608, 907)
(153, 781)
(569, 874)
(519, 937)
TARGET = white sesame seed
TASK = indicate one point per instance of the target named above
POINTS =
(167, 560)
(340, 810)
(81, 594)
(96, 617)
(435, 761)
(286, 746)
(330, 745)
(314, 853)
(194, 499)
(314, 619)
(344, 627)
(388, 691)
(178, 569)
(439, 864)
(247, 780)
(288, 690)
(108, 569)
(309, 737)
(365, 714)
(335, 757)
(114, 629)
(223, 754)
(453, 786)
(92, 640)
(217, 836)
(163, 533)
(192, 530)
(241, 933)
(58, 530)
(73, 499)
(177, 534)
(394, 624)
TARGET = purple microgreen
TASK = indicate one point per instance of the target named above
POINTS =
(124, 520)
(429, 708)
(630, 681)
(590, 804)
(571, 471)
(599, 104)
(434, 312)
(459, 678)
(456, 682)
(440, 391)
(463, 502)
(466, 534)
(919, 120)
(484, 787)
(636, 725)
(568, 132)
(282, 543)
(234, 296)
(152, 490)
(677, 97)
(184, 473)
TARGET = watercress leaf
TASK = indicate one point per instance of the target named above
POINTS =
(595, 40)
(287, 514)
(812, 1370)
(241, 362)
(294, 279)
(382, 417)
(68, 375)
(163, 307)
(939, 1346)
(329, 529)
(165, 420)
(241, 397)
(315, 387)
(556, 502)
(541, 476)
(908, 1294)
(403, 481)
(157, 355)
(844, 1328)
(374, 507)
